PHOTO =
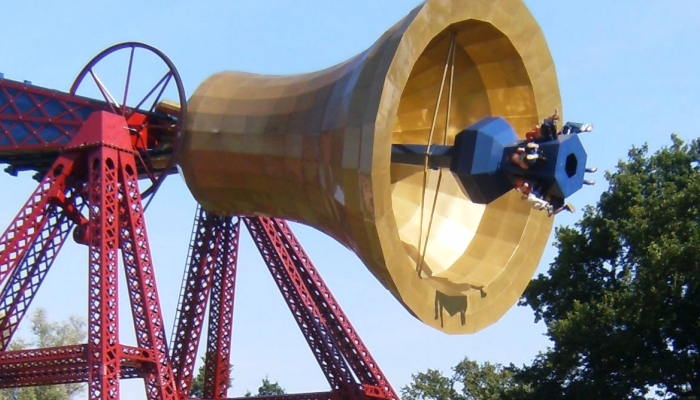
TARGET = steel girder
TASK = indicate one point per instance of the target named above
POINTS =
(351, 346)
(299, 396)
(103, 314)
(211, 269)
(326, 328)
(29, 245)
(39, 119)
(61, 365)
(194, 294)
(141, 283)
(218, 357)
(299, 301)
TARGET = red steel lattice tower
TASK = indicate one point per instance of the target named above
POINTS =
(96, 169)
(87, 157)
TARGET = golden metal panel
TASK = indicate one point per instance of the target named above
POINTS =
(316, 148)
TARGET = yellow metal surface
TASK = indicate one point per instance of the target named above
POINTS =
(315, 148)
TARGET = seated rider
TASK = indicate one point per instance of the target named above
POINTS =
(546, 131)
(558, 206)
(524, 157)
(572, 128)
(528, 193)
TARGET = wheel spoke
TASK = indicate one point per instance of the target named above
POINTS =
(160, 94)
(128, 79)
(147, 166)
(163, 84)
(449, 91)
(150, 92)
(165, 131)
(155, 101)
(105, 94)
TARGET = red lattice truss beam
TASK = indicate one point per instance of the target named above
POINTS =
(34, 118)
(218, 355)
(211, 269)
(67, 364)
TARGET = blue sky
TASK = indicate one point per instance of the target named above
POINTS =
(632, 68)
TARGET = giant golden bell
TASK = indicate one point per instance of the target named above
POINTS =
(316, 148)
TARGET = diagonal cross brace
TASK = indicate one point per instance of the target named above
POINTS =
(309, 318)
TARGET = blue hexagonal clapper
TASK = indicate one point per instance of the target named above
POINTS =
(478, 152)
(570, 161)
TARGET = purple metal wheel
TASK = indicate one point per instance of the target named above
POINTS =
(155, 127)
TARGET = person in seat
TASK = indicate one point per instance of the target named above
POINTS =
(553, 205)
(548, 129)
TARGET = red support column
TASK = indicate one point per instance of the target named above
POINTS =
(352, 347)
(218, 356)
(141, 283)
(103, 234)
(18, 293)
(300, 303)
(288, 262)
(193, 298)
(32, 217)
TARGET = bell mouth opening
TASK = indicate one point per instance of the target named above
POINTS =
(469, 71)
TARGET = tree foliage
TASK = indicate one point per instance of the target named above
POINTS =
(621, 301)
(197, 386)
(267, 388)
(469, 381)
(48, 334)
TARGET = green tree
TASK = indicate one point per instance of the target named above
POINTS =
(469, 381)
(48, 334)
(431, 384)
(621, 300)
(197, 387)
(267, 388)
